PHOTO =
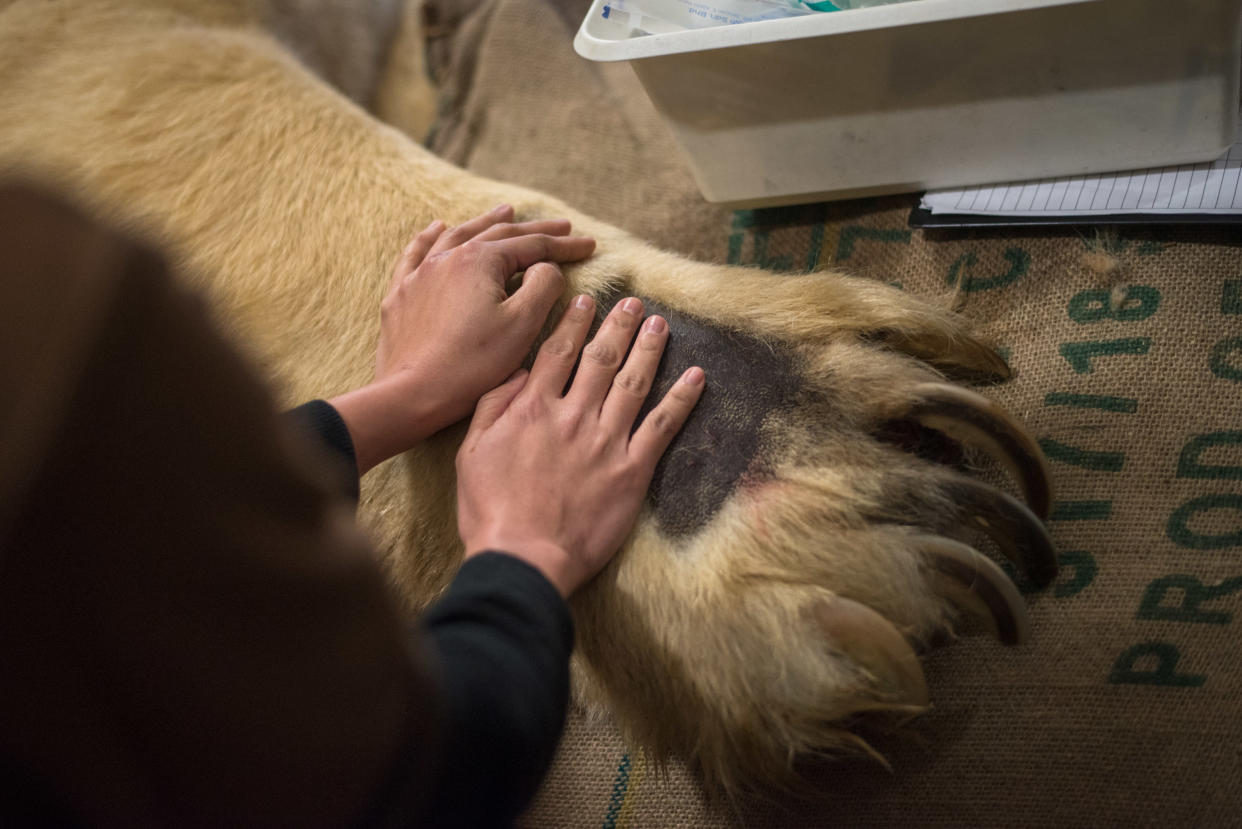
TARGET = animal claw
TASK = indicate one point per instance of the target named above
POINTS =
(971, 419)
(1007, 521)
(871, 642)
(978, 586)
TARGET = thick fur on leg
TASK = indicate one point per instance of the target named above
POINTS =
(287, 202)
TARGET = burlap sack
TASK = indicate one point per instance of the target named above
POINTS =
(1127, 346)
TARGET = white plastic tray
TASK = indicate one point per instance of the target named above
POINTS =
(937, 93)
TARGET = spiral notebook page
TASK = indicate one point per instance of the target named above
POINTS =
(1206, 189)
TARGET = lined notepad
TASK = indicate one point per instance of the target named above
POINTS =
(1209, 189)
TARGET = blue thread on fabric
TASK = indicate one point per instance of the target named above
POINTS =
(617, 799)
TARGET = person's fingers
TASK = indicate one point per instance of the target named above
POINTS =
(663, 422)
(521, 252)
(508, 230)
(555, 360)
(602, 356)
(633, 382)
(471, 228)
(541, 287)
(493, 404)
(416, 251)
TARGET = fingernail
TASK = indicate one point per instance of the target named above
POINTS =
(632, 306)
(655, 325)
(501, 208)
(693, 376)
(582, 302)
(433, 224)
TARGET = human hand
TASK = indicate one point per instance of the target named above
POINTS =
(449, 332)
(557, 480)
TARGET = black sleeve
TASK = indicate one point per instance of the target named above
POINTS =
(322, 423)
(502, 636)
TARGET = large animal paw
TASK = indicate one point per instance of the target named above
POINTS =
(812, 529)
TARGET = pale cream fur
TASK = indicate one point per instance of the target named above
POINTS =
(189, 123)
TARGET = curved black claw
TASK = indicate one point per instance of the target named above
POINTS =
(1006, 520)
(973, 420)
(976, 585)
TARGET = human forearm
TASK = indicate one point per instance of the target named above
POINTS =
(387, 417)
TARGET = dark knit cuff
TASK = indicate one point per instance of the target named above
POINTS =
(325, 425)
